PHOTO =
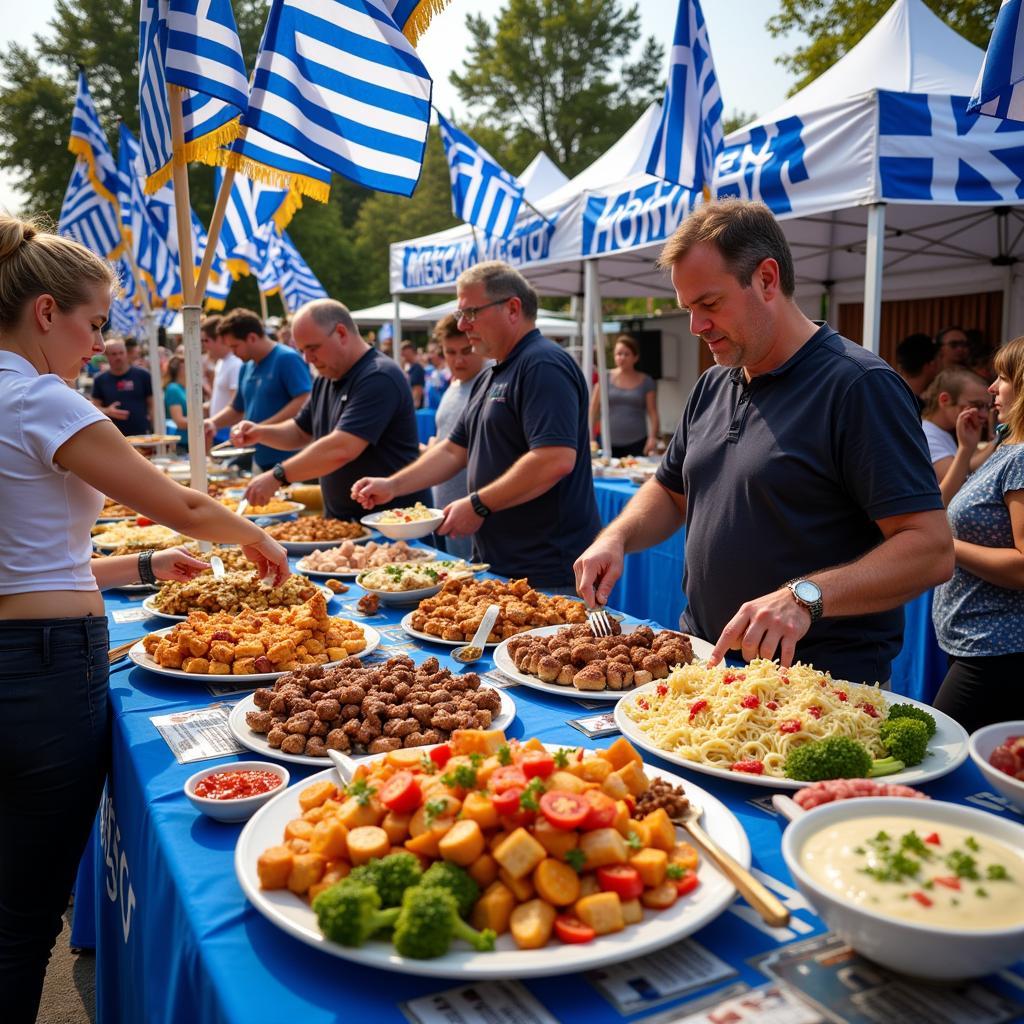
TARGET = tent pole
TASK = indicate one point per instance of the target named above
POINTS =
(587, 353)
(153, 348)
(263, 307)
(396, 330)
(601, 363)
(873, 265)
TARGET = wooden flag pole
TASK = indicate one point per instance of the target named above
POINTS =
(190, 312)
(263, 306)
(213, 235)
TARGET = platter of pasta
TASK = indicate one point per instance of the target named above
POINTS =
(506, 859)
(570, 661)
(787, 728)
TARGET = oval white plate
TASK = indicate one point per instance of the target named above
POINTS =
(947, 749)
(229, 453)
(305, 547)
(257, 742)
(431, 639)
(407, 597)
(502, 661)
(296, 506)
(138, 655)
(150, 605)
(658, 928)
(351, 574)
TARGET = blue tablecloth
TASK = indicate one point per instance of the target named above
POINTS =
(426, 424)
(650, 588)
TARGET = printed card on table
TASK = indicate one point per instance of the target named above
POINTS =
(740, 1004)
(596, 726)
(198, 734)
(121, 615)
(498, 679)
(484, 1003)
(634, 985)
(844, 987)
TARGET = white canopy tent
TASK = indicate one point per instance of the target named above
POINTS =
(541, 176)
(374, 316)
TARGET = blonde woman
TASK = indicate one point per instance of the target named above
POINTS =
(979, 613)
(59, 455)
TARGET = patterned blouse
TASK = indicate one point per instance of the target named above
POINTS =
(975, 619)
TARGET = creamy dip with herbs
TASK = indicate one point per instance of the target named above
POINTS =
(922, 872)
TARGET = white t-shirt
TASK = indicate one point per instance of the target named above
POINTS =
(225, 382)
(45, 542)
(941, 443)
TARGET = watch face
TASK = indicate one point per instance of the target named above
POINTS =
(807, 591)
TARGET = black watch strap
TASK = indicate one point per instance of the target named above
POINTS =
(279, 474)
(146, 574)
(478, 506)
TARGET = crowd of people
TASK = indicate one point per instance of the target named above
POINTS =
(820, 489)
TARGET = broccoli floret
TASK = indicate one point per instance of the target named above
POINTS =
(836, 757)
(906, 739)
(350, 913)
(444, 875)
(898, 711)
(429, 920)
(390, 876)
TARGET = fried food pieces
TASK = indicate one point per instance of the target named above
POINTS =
(316, 528)
(231, 593)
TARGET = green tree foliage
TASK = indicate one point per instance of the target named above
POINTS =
(834, 27)
(556, 75)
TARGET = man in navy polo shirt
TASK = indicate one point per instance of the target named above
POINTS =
(359, 419)
(523, 439)
(799, 466)
(124, 392)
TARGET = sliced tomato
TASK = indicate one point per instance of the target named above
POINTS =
(506, 777)
(925, 901)
(143, 521)
(401, 793)
(949, 881)
(564, 809)
(537, 763)
(621, 879)
(441, 755)
(687, 883)
(602, 810)
(507, 801)
(572, 930)
(933, 839)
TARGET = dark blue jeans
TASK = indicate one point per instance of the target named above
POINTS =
(54, 751)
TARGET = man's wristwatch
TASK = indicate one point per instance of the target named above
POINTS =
(478, 506)
(279, 474)
(146, 574)
(808, 595)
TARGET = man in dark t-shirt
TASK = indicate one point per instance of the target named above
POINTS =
(523, 438)
(359, 418)
(799, 466)
(124, 392)
(414, 373)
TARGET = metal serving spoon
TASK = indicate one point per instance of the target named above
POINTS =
(474, 651)
(343, 764)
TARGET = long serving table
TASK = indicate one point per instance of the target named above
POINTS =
(177, 940)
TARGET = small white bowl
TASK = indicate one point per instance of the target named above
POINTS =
(939, 952)
(244, 807)
(404, 531)
(982, 743)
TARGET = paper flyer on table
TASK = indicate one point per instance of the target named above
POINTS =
(489, 1002)
(646, 981)
(845, 988)
(595, 726)
(122, 615)
(198, 734)
(740, 1004)
(498, 679)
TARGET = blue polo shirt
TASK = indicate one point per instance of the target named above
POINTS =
(373, 402)
(786, 475)
(535, 398)
(265, 387)
(132, 391)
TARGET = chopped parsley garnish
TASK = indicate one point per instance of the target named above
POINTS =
(433, 810)
(576, 859)
(427, 766)
(463, 777)
(913, 843)
(504, 754)
(476, 759)
(981, 892)
(396, 572)
(997, 873)
(562, 758)
(963, 865)
(634, 842)
(674, 871)
(361, 790)
(529, 799)
(972, 844)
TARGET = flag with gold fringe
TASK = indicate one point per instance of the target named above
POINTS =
(88, 217)
(89, 142)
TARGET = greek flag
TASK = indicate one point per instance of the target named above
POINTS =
(192, 44)
(999, 90)
(690, 135)
(413, 16)
(337, 81)
(89, 142)
(484, 194)
(88, 217)
(282, 170)
(299, 284)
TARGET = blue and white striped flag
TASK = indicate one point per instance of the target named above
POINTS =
(88, 217)
(690, 134)
(999, 91)
(484, 194)
(337, 81)
(299, 284)
(192, 44)
(89, 141)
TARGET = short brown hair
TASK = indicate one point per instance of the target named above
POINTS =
(1009, 363)
(630, 342)
(502, 281)
(34, 262)
(210, 326)
(745, 233)
(447, 327)
(240, 323)
(951, 382)
(327, 314)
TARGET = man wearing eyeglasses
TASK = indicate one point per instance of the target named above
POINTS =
(954, 348)
(523, 439)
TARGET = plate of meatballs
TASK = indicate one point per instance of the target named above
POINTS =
(365, 709)
(570, 661)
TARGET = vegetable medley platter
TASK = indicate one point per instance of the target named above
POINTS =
(480, 857)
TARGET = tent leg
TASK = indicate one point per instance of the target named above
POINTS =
(153, 348)
(873, 266)
(192, 315)
(396, 330)
(587, 354)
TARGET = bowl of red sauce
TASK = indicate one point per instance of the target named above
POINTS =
(998, 752)
(234, 791)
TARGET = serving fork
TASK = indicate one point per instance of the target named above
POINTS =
(598, 621)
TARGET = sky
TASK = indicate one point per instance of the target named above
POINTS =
(744, 53)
